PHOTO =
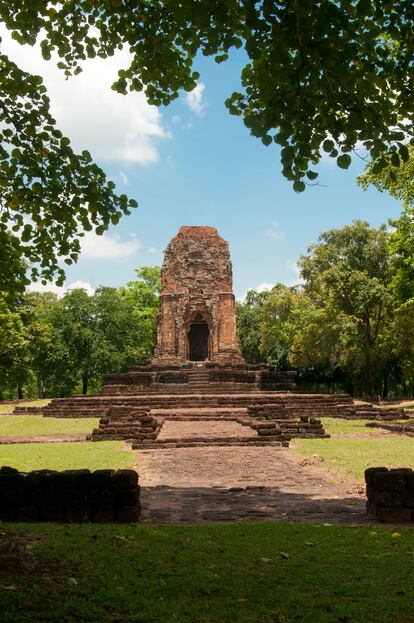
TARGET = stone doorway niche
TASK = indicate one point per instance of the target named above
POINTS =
(198, 339)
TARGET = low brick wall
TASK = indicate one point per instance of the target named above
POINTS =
(390, 494)
(402, 429)
(76, 496)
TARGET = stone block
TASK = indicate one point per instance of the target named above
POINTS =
(128, 514)
(102, 515)
(101, 478)
(26, 513)
(126, 497)
(124, 479)
(394, 515)
(5, 469)
(389, 499)
(370, 491)
(76, 514)
(389, 481)
(11, 481)
(409, 498)
(371, 509)
(51, 513)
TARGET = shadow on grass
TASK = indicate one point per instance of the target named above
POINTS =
(200, 505)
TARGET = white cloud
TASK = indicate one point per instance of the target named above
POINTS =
(194, 99)
(111, 126)
(60, 290)
(124, 177)
(263, 287)
(275, 232)
(152, 250)
(81, 284)
(107, 246)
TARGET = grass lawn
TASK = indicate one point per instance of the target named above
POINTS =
(90, 455)
(237, 573)
(32, 425)
(350, 457)
(335, 426)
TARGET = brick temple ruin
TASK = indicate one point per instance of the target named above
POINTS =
(198, 375)
(197, 320)
(197, 347)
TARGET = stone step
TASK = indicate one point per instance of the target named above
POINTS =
(207, 442)
(202, 412)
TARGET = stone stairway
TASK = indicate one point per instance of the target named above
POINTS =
(198, 379)
(191, 426)
(272, 404)
(372, 412)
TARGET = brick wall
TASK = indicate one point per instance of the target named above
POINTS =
(390, 494)
(79, 495)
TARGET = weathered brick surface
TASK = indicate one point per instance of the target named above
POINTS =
(74, 495)
(197, 290)
(390, 495)
(128, 424)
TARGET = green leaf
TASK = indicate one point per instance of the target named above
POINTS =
(344, 161)
(299, 186)
(404, 153)
(395, 160)
(328, 145)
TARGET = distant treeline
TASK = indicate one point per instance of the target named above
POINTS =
(350, 324)
(54, 346)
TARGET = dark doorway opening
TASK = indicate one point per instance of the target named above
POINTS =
(198, 341)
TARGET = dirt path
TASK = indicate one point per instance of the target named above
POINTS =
(219, 484)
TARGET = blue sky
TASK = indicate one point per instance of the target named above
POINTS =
(194, 164)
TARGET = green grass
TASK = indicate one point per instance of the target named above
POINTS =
(213, 574)
(32, 425)
(339, 426)
(8, 408)
(350, 457)
(91, 455)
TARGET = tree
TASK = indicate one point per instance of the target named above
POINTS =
(348, 275)
(36, 312)
(13, 350)
(399, 182)
(392, 175)
(48, 194)
(277, 325)
(55, 347)
(143, 297)
(75, 341)
(249, 315)
(321, 76)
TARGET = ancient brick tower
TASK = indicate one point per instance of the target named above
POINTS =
(197, 319)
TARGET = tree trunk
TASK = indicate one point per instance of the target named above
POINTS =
(385, 385)
(19, 392)
(41, 388)
(84, 384)
(369, 381)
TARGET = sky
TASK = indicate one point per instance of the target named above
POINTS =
(192, 163)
